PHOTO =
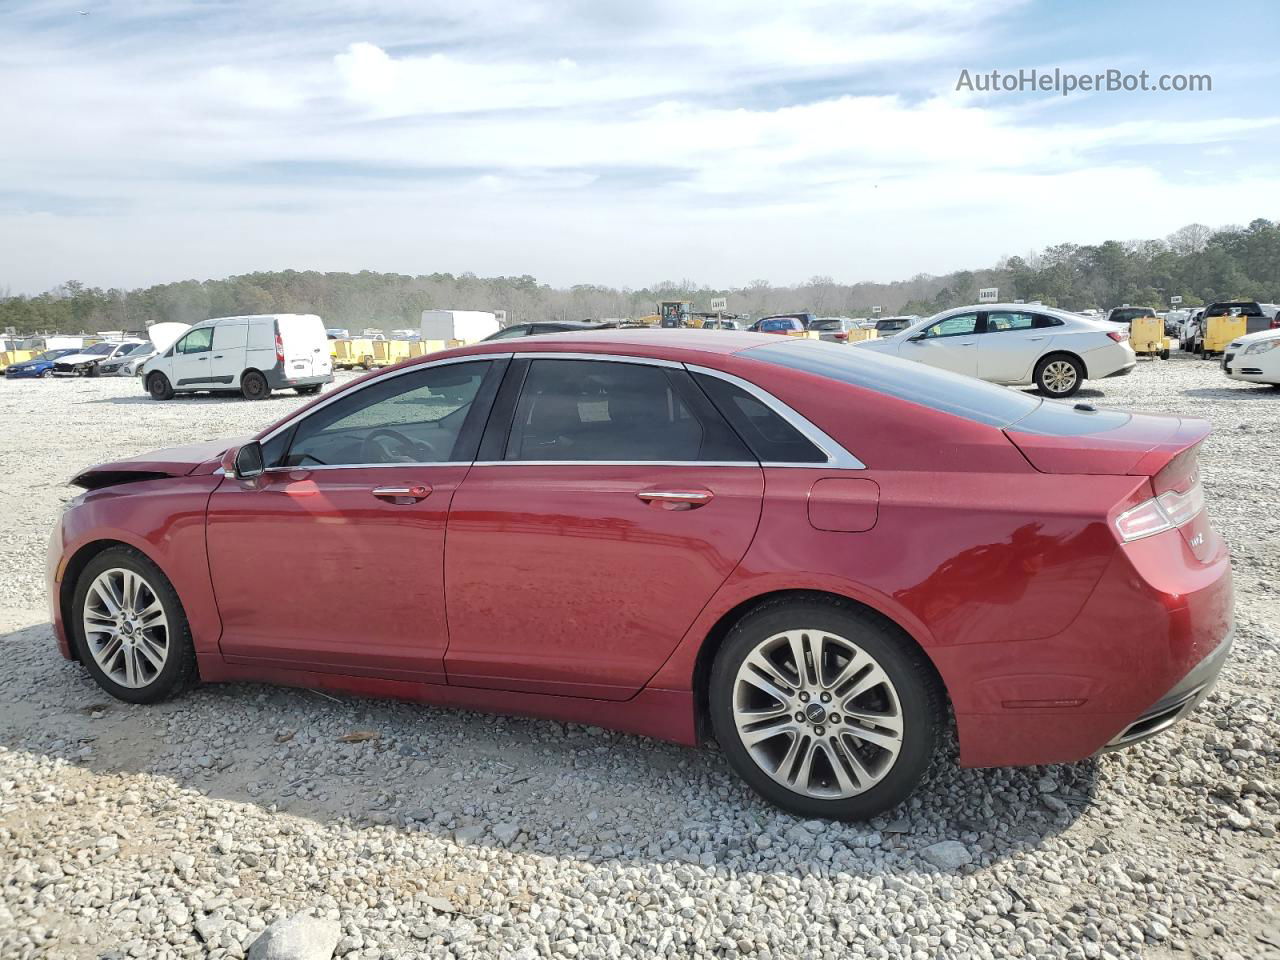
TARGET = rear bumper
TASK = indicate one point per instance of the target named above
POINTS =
(1141, 653)
(1123, 371)
(1178, 702)
(278, 380)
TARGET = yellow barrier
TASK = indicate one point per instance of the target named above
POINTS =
(9, 357)
(1146, 336)
(857, 336)
(1220, 331)
(804, 334)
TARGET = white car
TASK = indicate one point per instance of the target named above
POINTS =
(1015, 344)
(87, 362)
(1254, 358)
(251, 355)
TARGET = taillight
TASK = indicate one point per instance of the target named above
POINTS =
(1119, 336)
(279, 350)
(842, 336)
(1168, 511)
(1275, 322)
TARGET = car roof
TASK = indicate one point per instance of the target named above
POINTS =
(640, 341)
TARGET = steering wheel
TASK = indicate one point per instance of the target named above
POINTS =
(405, 451)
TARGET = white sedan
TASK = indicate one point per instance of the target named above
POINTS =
(1254, 358)
(1016, 344)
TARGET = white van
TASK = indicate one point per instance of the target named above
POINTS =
(469, 325)
(252, 355)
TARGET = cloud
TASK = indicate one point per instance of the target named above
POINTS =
(579, 141)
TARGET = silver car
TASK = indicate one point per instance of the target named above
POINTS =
(835, 329)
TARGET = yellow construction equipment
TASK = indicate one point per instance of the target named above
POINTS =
(349, 353)
(10, 357)
(1146, 336)
(1220, 331)
(387, 352)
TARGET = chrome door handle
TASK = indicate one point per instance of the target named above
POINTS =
(1034, 339)
(689, 498)
(416, 492)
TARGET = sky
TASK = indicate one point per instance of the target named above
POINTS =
(618, 143)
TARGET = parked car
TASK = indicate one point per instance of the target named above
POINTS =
(676, 534)
(720, 323)
(252, 355)
(38, 366)
(1127, 315)
(891, 325)
(129, 362)
(1189, 332)
(835, 329)
(1015, 344)
(86, 362)
(1254, 358)
(549, 326)
(790, 323)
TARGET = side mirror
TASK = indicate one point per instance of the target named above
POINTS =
(246, 461)
(918, 336)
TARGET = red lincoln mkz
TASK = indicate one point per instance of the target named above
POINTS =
(806, 550)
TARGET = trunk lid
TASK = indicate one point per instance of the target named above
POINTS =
(1061, 438)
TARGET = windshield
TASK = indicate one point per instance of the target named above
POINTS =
(928, 386)
(139, 348)
(99, 349)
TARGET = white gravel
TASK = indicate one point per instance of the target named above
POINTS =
(183, 830)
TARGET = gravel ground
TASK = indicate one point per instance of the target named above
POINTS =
(182, 830)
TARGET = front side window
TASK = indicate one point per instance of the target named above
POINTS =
(197, 341)
(602, 410)
(1000, 322)
(416, 417)
(957, 326)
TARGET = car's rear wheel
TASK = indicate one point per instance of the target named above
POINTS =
(824, 710)
(1059, 375)
(159, 387)
(130, 628)
(253, 386)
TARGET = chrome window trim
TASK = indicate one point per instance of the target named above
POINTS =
(607, 357)
(343, 394)
(309, 468)
(838, 457)
(626, 463)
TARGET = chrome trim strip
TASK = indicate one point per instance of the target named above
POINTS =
(336, 395)
(311, 467)
(837, 456)
(608, 357)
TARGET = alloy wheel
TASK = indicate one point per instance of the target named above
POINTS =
(1059, 376)
(125, 627)
(818, 714)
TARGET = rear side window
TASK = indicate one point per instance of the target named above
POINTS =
(915, 382)
(782, 323)
(770, 437)
(1002, 321)
(603, 410)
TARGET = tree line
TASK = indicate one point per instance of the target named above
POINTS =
(1196, 263)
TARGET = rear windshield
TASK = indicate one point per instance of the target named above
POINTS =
(826, 325)
(1056, 418)
(1242, 309)
(1126, 314)
(928, 386)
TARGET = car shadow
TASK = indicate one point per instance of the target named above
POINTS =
(570, 791)
(199, 399)
(1084, 393)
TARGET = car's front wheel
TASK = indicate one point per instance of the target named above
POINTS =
(159, 387)
(825, 710)
(1059, 375)
(130, 628)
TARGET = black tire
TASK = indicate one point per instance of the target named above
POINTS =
(179, 669)
(159, 387)
(46, 374)
(309, 390)
(254, 386)
(918, 693)
(92, 371)
(1197, 347)
(1049, 374)
(1164, 354)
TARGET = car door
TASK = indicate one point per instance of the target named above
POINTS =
(333, 559)
(609, 502)
(1010, 345)
(951, 344)
(191, 358)
(226, 359)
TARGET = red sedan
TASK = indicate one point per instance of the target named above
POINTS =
(806, 551)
